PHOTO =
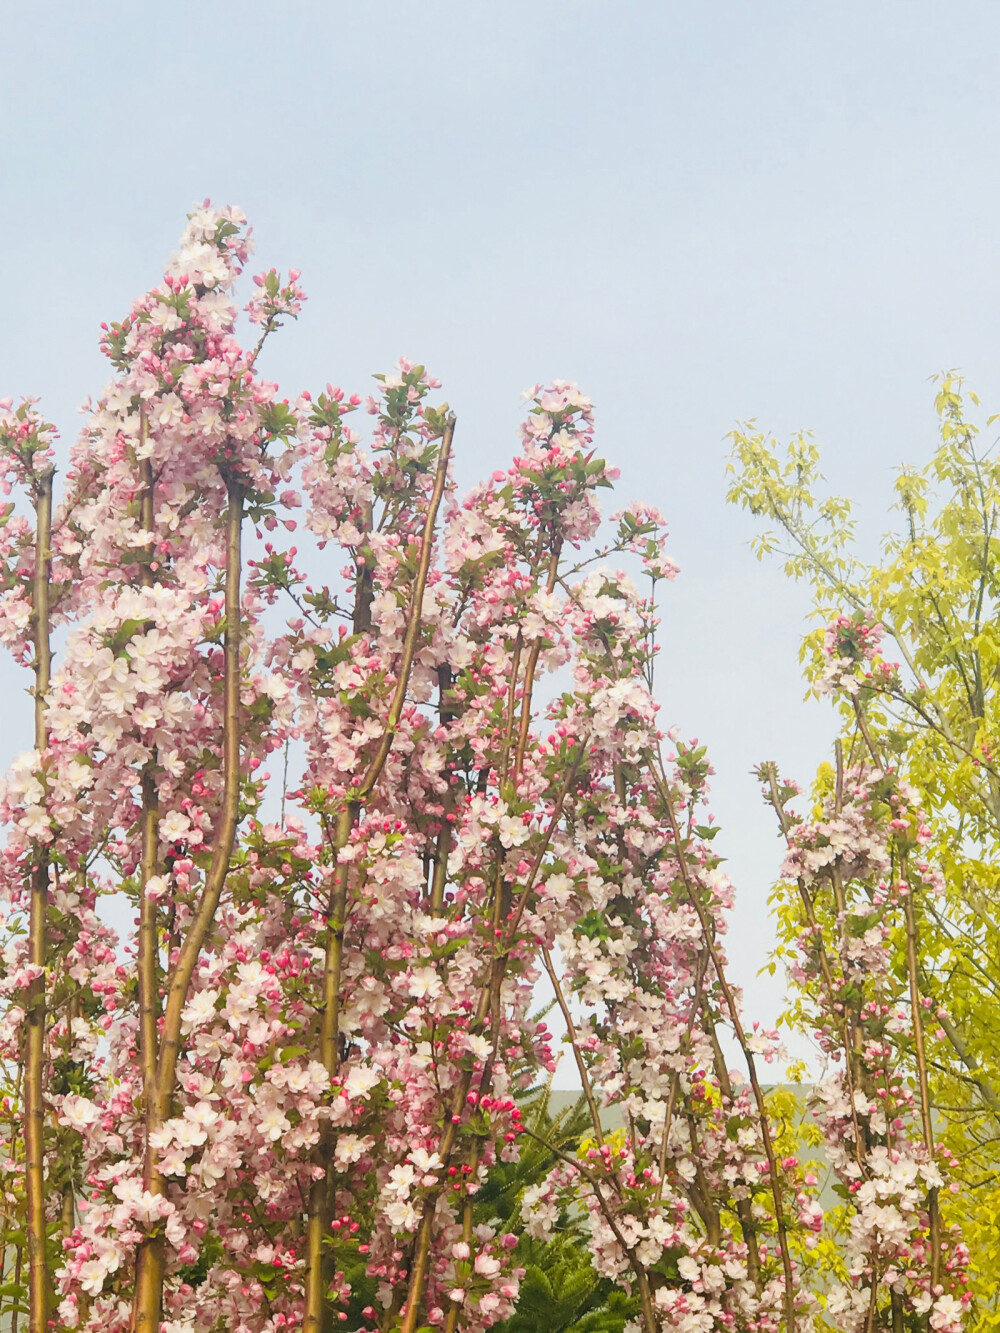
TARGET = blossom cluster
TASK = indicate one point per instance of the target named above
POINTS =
(852, 646)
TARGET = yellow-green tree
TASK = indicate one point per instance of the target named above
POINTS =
(936, 713)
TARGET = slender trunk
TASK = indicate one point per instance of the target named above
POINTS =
(148, 1305)
(319, 1274)
(991, 1099)
(148, 948)
(18, 1258)
(490, 998)
(150, 1260)
(581, 1067)
(148, 969)
(419, 1270)
(923, 1081)
(180, 978)
(896, 1306)
(734, 1018)
(151, 1257)
(442, 849)
(451, 1323)
(318, 1313)
(744, 1207)
(319, 1268)
(68, 1207)
(532, 665)
(854, 1030)
(851, 1035)
(701, 1193)
(912, 968)
(39, 1294)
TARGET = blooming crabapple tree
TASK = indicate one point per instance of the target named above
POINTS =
(862, 887)
(273, 1103)
(932, 590)
(862, 881)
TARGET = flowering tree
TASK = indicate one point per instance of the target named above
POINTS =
(862, 880)
(279, 1099)
(906, 646)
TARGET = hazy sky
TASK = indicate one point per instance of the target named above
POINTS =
(702, 213)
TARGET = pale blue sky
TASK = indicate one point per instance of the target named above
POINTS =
(701, 212)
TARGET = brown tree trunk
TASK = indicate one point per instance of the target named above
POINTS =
(150, 1261)
(39, 1287)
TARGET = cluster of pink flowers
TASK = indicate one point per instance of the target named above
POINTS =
(356, 827)
(852, 647)
(26, 454)
(275, 299)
